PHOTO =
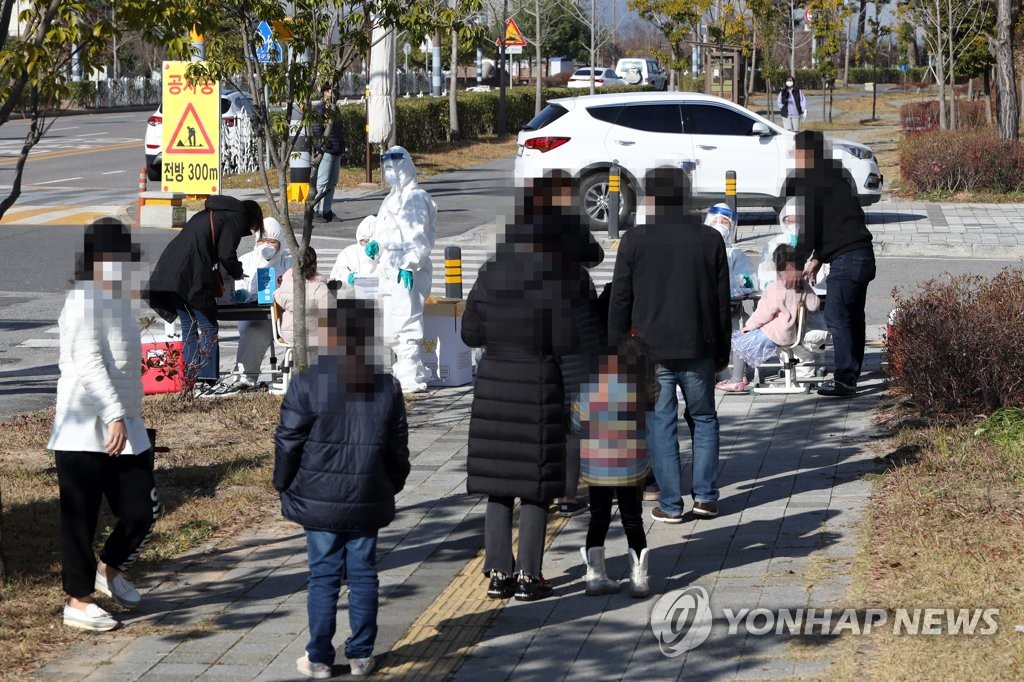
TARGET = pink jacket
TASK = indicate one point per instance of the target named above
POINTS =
(776, 312)
(317, 297)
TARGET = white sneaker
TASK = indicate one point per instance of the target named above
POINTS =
(91, 618)
(361, 667)
(316, 671)
(119, 589)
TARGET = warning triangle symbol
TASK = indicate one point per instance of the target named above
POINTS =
(189, 135)
(513, 36)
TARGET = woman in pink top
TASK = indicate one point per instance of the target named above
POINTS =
(774, 322)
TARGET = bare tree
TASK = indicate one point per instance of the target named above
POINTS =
(949, 29)
(1008, 115)
(600, 32)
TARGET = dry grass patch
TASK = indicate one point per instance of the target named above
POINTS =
(944, 530)
(214, 481)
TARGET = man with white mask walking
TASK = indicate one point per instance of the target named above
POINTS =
(403, 236)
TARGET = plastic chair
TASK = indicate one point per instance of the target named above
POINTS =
(789, 382)
(287, 359)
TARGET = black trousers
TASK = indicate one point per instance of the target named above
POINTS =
(533, 519)
(85, 478)
(630, 509)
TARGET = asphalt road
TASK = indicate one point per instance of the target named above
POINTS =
(90, 151)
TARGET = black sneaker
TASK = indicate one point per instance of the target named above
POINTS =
(502, 586)
(708, 510)
(836, 389)
(532, 589)
(232, 385)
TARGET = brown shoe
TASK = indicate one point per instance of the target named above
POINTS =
(658, 515)
(708, 510)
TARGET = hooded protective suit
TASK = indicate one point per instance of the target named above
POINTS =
(255, 337)
(741, 270)
(353, 259)
(404, 230)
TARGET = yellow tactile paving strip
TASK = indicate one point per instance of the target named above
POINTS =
(433, 648)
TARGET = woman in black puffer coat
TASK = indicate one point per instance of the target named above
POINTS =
(521, 311)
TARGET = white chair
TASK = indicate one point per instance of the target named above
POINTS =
(787, 381)
(286, 361)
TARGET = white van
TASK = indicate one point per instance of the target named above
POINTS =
(642, 71)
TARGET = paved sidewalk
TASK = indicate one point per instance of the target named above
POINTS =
(792, 493)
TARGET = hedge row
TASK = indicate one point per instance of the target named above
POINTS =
(422, 122)
(973, 160)
(916, 117)
(809, 78)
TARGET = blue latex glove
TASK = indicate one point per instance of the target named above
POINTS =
(352, 277)
(241, 295)
(372, 249)
(405, 278)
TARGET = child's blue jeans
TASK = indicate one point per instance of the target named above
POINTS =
(334, 557)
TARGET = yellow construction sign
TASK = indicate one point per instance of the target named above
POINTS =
(513, 36)
(191, 133)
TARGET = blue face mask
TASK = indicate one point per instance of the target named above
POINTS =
(793, 239)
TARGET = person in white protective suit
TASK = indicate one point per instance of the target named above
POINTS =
(741, 272)
(403, 236)
(815, 333)
(353, 261)
(255, 336)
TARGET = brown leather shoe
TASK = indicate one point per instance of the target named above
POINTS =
(708, 510)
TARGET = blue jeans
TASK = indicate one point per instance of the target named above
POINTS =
(327, 179)
(697, 380)
(199, 343)
(334, 557)
(847, 292)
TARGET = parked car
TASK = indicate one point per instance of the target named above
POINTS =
(642, 71)
(233, 105)
(602, 76)
(643, 130)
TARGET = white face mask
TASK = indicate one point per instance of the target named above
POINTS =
(722, 230)
(267, 251)
(789, 84)
(391, 176)
(115, 270)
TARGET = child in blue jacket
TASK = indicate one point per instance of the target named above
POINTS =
(342, 454)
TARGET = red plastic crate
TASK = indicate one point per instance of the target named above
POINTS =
(158, 360)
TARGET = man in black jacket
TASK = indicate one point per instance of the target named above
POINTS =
(671, 285)
(835, 232)
(333, 147)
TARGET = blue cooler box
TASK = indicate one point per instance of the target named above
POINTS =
(266, 283)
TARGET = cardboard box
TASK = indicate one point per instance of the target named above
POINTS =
(442, 350)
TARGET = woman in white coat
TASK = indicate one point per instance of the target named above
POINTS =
(101, 444)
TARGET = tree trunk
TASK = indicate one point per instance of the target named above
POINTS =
(593, 44)
(453, 86)
(3, 564)
(953, 123)
(1007, 12)
(862, 17)
(536, 45)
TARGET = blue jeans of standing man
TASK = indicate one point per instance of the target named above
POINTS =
(334, 557)
(327, 181)
(696, 378)
(847, 292)
(199, 343)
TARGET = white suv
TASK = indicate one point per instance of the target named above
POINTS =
(642, 71)
(643, 130)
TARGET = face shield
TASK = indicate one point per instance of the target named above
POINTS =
(399, 169)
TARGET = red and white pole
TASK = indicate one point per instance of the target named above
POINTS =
(143, 179)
